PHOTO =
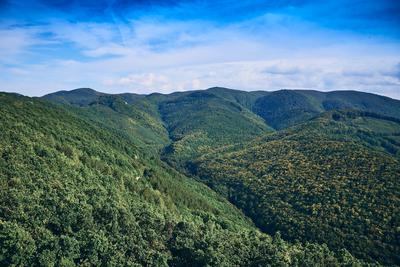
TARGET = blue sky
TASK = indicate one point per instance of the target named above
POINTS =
(175, 45)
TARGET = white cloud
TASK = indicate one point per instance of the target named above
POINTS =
(149, 55)
(15, 42)
(251, 75)
(145, 80)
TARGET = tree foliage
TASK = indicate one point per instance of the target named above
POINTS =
(75, 192)
(322, 181)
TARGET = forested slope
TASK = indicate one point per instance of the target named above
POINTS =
(332, 180)
(284, 108)
(74, 192)
(144, 129)
(287, 158)
(201, 120)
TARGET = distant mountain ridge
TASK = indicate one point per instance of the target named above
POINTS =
(195, 121)
(279, 109)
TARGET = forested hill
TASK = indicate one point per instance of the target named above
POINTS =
(299, 178)
(195, 121)
(285, 108)
(86, 96)
(279, 109)
(77, 193)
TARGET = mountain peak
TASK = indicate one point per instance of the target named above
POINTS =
(79, 96)
(84, 90)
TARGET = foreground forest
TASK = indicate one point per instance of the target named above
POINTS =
(324, 186)
(218, 177)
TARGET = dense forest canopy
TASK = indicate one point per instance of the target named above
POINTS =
(318, 182)
(218, 177)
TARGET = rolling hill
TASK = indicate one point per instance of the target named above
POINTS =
(284, 108)
(200, 120)
(319, 167)
(86, 96)
(77, 193)
(195, 121)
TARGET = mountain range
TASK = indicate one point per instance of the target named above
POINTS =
(215, 177)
